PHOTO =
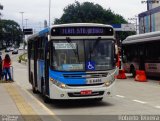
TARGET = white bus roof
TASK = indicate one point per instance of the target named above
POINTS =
(141, 38)
(81, 24)
(47, 30)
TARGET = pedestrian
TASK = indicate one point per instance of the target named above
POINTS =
(1, 73)
(6, 63)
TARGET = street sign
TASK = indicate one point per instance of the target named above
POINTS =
(28, 31)
(128, 27)
(124, 27)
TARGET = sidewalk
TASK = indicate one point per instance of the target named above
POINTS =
(7, 105)
(17, 103)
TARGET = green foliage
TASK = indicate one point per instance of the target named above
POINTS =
(1, 7)
(23, 58)
(89, 12)
(10, 32)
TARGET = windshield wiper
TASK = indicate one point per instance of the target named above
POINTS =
(94, 47)
(75, 52)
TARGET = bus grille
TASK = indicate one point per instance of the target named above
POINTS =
(78, 85)
(77, 94)
(87, 75)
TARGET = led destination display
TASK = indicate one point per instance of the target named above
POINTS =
(79, 31)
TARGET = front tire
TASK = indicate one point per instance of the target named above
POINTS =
(34, 90)
(33, 87)
(45, 98)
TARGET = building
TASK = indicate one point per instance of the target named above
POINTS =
(149, 20)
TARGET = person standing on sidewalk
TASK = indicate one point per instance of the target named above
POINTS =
(1, 73)
(6, 63)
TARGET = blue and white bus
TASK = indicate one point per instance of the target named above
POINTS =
(73, 61)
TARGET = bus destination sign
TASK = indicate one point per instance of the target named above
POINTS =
(79, 31)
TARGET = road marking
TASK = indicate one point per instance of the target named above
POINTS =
(157, 107)
(120, 96)
(140, 101)
(41, 104)
(23, 107)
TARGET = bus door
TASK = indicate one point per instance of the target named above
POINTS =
(32, 61)
(141, 57)
(47, 61)
(34, 64)
(29, 61)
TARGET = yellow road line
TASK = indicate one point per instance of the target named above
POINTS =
(25, 109)
(3, 81)
(42, 105)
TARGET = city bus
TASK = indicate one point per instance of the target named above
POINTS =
(73, 61)
(142, 52)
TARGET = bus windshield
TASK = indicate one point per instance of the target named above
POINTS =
(73, 55)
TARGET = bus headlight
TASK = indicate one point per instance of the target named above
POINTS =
(108, 83)
(110, 80)
(63, 86)
(57, 83)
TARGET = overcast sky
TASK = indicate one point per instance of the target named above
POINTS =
(36, 11)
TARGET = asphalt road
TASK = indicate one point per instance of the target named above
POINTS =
(130, 98)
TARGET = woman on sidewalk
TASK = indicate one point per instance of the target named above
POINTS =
(1, 73)
(6, 67)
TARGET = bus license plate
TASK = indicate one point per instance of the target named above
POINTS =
(86, 92)
(94, 81)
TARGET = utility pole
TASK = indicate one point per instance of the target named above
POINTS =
(22, 19)
(26, 23)
(22, 31)
(49, 13)
(135, 22)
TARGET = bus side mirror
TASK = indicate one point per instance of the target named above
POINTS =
(124, 59)
(116, 49)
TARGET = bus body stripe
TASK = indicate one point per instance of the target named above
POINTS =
(59, 77)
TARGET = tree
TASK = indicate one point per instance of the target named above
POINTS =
(89, 12)
(10, 32)
(1, 8)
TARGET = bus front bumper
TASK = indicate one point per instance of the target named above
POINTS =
(89, 92)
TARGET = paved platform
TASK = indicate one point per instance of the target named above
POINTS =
(18, 105)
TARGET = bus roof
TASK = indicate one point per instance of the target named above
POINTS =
(82, 24)
(142, 38)
(40, 33)
(47, 30)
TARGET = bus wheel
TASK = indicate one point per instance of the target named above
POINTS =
(33, 87)
(133, 71)
(34, 90)
(45, 98)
